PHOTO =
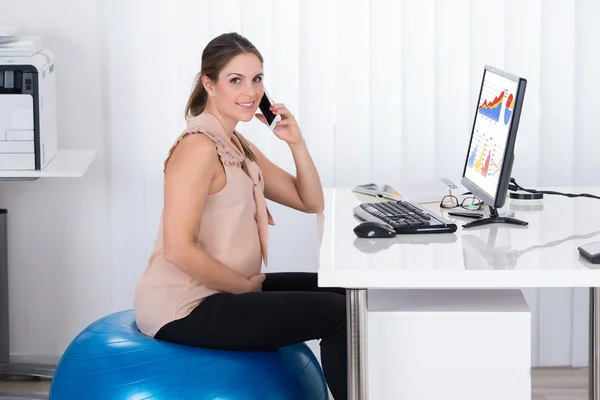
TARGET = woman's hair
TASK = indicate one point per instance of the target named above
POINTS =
(217, 53)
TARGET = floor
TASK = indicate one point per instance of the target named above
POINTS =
(547, 384)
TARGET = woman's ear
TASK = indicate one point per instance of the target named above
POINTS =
(208, 85)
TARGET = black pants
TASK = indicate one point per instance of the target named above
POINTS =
(290, 309)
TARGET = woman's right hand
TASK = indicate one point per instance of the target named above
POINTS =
(256, 282)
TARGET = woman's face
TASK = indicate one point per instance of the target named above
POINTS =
(239, 89)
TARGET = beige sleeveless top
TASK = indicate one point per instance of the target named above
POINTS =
(233, 230)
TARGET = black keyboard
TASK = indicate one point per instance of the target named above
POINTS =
(404, 217)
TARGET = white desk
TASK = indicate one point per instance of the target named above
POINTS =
(543, 254)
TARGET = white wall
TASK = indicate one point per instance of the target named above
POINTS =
(60, 268)
(384, 91)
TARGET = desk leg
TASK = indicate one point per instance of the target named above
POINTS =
(6, 367)
(356, 312)
(594, 343)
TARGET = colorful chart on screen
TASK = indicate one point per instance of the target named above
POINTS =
(492, 123)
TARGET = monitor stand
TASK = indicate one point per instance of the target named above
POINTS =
(494, 218)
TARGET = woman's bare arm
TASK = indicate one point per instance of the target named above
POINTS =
(188, 177)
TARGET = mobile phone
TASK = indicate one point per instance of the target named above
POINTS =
(264, 105)
(466, 215)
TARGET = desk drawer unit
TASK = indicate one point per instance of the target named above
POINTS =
(449, 344)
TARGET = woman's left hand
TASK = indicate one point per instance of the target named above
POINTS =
(287, 129)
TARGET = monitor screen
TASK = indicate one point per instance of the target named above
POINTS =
(489, 139)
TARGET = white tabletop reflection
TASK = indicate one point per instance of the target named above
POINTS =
(543, 254)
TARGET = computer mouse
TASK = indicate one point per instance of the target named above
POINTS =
(370, 229)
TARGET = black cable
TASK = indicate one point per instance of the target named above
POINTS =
(515, 186)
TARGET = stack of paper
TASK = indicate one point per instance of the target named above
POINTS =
(7, 31)
(23, 46)
(430, 191)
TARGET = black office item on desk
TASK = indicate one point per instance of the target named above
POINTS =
(490, 155)
(372, 229)
(466, 215)
(404, 217)
(526, 196)
(514, 186)
(590, 252)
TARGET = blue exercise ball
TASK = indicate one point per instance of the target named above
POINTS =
(111, 359)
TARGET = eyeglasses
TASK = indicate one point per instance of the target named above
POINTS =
(468, 203)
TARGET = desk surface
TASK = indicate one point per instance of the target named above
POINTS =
(543, 254)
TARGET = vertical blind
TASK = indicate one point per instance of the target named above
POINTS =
(384, 91)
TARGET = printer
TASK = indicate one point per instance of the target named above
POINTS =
(28, 128)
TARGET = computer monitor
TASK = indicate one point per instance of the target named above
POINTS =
(489, 159)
